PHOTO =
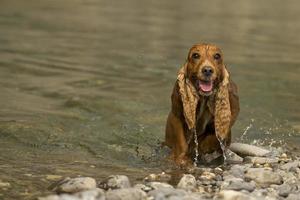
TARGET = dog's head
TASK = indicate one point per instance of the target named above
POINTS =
(205, 68)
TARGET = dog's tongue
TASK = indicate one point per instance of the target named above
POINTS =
(205, 86)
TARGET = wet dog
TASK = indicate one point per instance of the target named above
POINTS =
(205, 106)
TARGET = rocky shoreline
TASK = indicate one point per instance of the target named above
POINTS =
(274, 175)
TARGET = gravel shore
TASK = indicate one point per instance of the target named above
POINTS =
(275, 175)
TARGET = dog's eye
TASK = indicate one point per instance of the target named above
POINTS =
(217, 56)
(195, 55)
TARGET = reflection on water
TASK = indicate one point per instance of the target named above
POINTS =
(85, 85)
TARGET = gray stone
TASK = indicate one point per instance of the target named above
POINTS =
(260, 160)
(59, 197)
(232, 157)
(94, 194)
(115, 182)
(237, 171)
(263, 177)
(162, 177)
(167, 193)
(248, 150)
(158, 185)
(126, 194)
(293, 197)
(73, 185)
(4, 184)
(233, 195)
(187, 182)
(143, 187)
(290, 166)
(284, 190)
(238, 185)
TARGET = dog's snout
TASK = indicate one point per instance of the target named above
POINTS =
(207, 71)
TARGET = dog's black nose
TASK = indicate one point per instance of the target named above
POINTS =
(207, 71)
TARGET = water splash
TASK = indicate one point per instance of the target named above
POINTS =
(223, 147)
(247, 129)
(196, 148)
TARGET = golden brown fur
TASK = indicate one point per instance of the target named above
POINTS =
(204, 100)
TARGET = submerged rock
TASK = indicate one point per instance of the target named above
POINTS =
(115, 182)
(73, 185)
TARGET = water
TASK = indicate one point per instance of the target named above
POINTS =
(85, 85)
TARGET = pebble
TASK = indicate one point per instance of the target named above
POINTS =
(73, 185)
(271, 178)
(237, 171)
(94, 194)
(233, 158)
(115, 182)
(157, 185)
(167, 193)
(187, 182)
(4, 184)
(162, 177)
(284, 190)
(260, 160)
(143, 187)
(263, 177)
(126, 194)
(293, 197)
(238, 185)
(233, 195)
(51, 177)
(248, 150)
(290, 166)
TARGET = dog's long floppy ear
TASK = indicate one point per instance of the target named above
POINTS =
(222, 108)
(189, 97)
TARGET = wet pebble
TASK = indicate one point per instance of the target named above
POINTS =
(187, 182)
(260, 160)
(94, 194)
(162, 177)
(291, 166)
(126, 194)
(233, 195)
(293, 197)
(143, 187)
(285, 189)
(237, 171)
(115, 182)
(167, 193)
(263, 177)
(157, 185)
(238, 185)
(73, 185)
(4, 184)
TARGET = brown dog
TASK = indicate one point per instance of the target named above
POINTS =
(205, 105)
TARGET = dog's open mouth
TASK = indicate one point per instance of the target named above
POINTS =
(205, 86)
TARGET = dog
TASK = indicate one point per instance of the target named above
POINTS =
(205, 105)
